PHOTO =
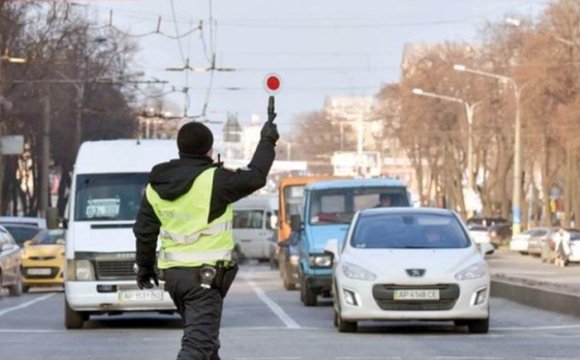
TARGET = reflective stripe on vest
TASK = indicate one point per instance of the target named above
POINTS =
(203, 257)
(215, 229)
(187, 239)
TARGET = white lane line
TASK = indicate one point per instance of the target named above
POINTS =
(536, 328)
(460, 357)
(269, 358)
(368, 358)
(26, 304)
(274, 307)
(30, 331)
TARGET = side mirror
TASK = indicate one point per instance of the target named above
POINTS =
(486, 248)
(295, 223)
(273, 221)
(331, 248)
(65, 223)
(52, 218)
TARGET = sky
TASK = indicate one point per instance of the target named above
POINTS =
(318, 47)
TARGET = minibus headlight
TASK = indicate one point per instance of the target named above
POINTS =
(83, 270)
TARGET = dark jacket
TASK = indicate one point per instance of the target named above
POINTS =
(174, 178)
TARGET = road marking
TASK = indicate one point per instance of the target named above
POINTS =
(274, 307)
(30, 331)
(460, 357)
(270, 358)
(536, 328)
(26, 304)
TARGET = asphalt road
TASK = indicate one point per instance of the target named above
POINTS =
(264, 322)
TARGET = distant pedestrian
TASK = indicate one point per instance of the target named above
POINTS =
(561, 247)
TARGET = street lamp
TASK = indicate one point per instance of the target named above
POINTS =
(517, 188)
(469, 111)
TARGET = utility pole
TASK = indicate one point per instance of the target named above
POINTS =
(80, 87)
(44, 175)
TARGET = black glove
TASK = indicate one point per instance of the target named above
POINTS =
(269, 132)
(144, 277)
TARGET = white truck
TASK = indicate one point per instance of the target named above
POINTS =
(108, 184)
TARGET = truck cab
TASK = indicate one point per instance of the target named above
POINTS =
(329, 207)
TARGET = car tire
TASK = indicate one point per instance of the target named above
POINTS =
(25, 288)
(479, 326)
(16, 289)
(73, 319)
(346, 326)
(307, 295)
(524, 252)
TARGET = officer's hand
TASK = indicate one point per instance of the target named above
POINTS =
(269, 132)
(144, 277)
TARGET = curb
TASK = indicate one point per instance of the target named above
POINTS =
(560, 302)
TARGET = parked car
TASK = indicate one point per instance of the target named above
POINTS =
(547, 255)
(10, 262)
(574, 247)
(409, 264)
(23, 220)
(532, 240)
(500, 229)
(481, 237)
(43, 259)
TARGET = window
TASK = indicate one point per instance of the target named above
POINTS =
(101, 197)
(335, 206)
(409, 231)
(22, 233)
(248, 219)
(294, 196)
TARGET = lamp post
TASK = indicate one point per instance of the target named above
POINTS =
(469, 112)
(517, 188)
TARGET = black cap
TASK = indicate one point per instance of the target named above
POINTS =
(194, 138)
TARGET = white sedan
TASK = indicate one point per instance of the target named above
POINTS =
(409, 264)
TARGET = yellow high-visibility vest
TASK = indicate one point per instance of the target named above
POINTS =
(187, 239)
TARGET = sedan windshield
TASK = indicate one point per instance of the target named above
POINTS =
(21, 233)
(48, 237)
(409, 231)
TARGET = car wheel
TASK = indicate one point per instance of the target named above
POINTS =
(460, 323)
(524, 252)
(73, 319)
(16, 289)
(25, 288)
(345, 326)
(479, 326)
(307, 294)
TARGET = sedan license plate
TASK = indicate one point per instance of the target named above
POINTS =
(38, 271)
(140, 295)
(417, 294)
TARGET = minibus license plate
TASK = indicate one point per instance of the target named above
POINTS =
(141, 295)
(416, 294)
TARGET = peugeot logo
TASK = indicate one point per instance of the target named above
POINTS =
(415, 272)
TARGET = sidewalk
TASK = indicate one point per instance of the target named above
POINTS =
(525, 279)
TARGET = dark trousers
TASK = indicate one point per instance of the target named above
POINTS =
(201, 311)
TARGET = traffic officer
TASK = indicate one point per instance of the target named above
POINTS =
(188, 206)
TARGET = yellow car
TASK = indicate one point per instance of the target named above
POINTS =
(43, 259)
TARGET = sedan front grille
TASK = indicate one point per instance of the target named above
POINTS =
(384, 295)
(115, 269)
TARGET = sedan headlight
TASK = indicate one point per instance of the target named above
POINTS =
(320, 261)
(474, 271)
(356, 272)
(82, 270)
